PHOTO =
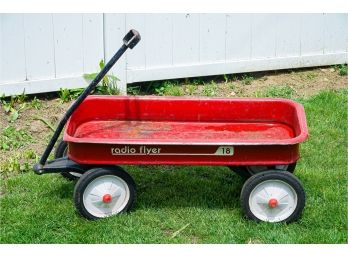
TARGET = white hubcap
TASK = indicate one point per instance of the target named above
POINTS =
(105, 196)
(273, 201)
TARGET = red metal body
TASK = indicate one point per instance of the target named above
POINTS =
(183, 130)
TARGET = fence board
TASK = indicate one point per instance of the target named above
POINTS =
(93, 42)
(312, 34)
(185, 41)
(114, 29)
(12, 44)
(288, 27)
(137, 58)
(39, 46)
(212, 38)
(263, 29)
(336, 33)
(159, 43)
(68, 43)
(238, 36)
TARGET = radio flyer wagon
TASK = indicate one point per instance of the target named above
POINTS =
(257, 138)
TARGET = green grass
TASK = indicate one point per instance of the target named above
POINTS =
(190, 89)
(342, 69)
(198, 204)
(279, 91)
(11, 138)
(311, 75)
(247, 79)
(171, 88)
(36, 103)
(210, 89)
(13, 106)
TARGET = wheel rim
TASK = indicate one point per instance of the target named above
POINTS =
(257, 169)
(273, 201)
(106, 195)
(75, 174)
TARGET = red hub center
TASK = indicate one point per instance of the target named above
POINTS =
(272, 203)
(107, 198)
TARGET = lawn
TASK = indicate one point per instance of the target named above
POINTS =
(179, 204)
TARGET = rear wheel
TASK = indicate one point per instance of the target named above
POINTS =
(273, 196)
(62, 151)
(104, 192)
(248, 171)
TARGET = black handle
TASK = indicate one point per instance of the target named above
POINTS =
(132, 38)
(129, 41)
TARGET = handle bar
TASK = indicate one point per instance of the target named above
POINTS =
(130, 40)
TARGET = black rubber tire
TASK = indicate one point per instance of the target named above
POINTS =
(286, 177)
(245, 173)
(61, 151)
(94, 173)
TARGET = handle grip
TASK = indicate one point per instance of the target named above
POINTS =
(132, 38)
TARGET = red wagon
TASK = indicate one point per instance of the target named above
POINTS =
(257, 138)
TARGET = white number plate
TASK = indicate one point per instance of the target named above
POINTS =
(225, 150)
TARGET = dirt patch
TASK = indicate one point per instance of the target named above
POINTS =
(29, 121)
(304, 83)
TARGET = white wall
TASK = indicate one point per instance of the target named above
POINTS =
(44, 52)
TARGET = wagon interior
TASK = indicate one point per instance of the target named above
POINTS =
(178, 120)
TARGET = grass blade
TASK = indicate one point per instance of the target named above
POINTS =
(46, 122)
(178, 231)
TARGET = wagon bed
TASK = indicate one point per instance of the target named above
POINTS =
(185, 130)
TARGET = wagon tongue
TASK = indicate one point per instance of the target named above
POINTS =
(59, 165)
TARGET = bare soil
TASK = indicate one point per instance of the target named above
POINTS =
(30, 121)
(304, 82)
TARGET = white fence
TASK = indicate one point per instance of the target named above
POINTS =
(45, 52)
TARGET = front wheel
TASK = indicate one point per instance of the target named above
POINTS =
(103, 192)
(273, 196)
